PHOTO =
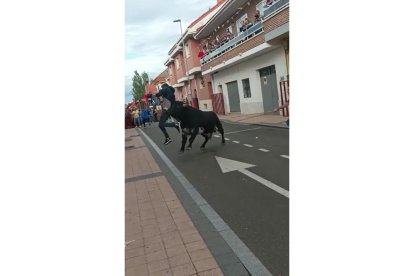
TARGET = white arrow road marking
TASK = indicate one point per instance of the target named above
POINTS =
(264, 150)
(228, 165)
(285, 156)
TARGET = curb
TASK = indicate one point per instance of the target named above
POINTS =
(255, 124)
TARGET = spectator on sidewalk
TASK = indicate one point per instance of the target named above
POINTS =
(155, 113)
(151, 114)
(143, 116)
(135, 117)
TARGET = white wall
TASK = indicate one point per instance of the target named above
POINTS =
(249, 69)
(205, 105)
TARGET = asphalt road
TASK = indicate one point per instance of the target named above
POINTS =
(258, 215)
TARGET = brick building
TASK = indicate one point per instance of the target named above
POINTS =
(242, 71)
(193, 86)
(248, 71)
(160, 79)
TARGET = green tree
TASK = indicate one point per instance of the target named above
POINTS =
(138, 84)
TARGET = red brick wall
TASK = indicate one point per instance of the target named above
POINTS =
(276, 21)
(172, 77)
(203, 93)
(179, 73)
(193, 60)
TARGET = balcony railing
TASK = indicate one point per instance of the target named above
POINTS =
(276, 5)
(243, 36)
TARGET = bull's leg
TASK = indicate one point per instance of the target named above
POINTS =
(192, 137)
(219, 127)
(183, 141)
(206, 137)
(223, 141)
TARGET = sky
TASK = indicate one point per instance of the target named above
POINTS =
(150, 33)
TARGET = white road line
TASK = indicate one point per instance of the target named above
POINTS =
(285, 156)
(237, 142)
(226, 139)
(264, 150)
(218, 136)
(247, 145)
(265, 182)
(242, 130)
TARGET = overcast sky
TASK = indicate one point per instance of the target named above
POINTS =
(150, 33)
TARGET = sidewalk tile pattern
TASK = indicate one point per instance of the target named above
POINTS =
(160, 238)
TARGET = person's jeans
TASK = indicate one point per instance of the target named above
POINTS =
(162, 124)
(136, 122)
(145, 120)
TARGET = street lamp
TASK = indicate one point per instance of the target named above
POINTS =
(185, 59)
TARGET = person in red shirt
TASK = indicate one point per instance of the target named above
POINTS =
(201, 53)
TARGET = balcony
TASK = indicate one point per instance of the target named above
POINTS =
(235, 41)
(275, 6)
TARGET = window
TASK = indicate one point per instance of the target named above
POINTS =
(220, 89)
(246, 88)
(177, 63)
(201, 83)
(187, 51)
(261, 7)
(239, 22)
(229, 29)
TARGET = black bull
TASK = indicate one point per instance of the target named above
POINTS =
(192, 119)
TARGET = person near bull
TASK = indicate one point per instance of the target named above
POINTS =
(167, 94)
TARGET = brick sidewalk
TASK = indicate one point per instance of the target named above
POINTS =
(160, 238)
